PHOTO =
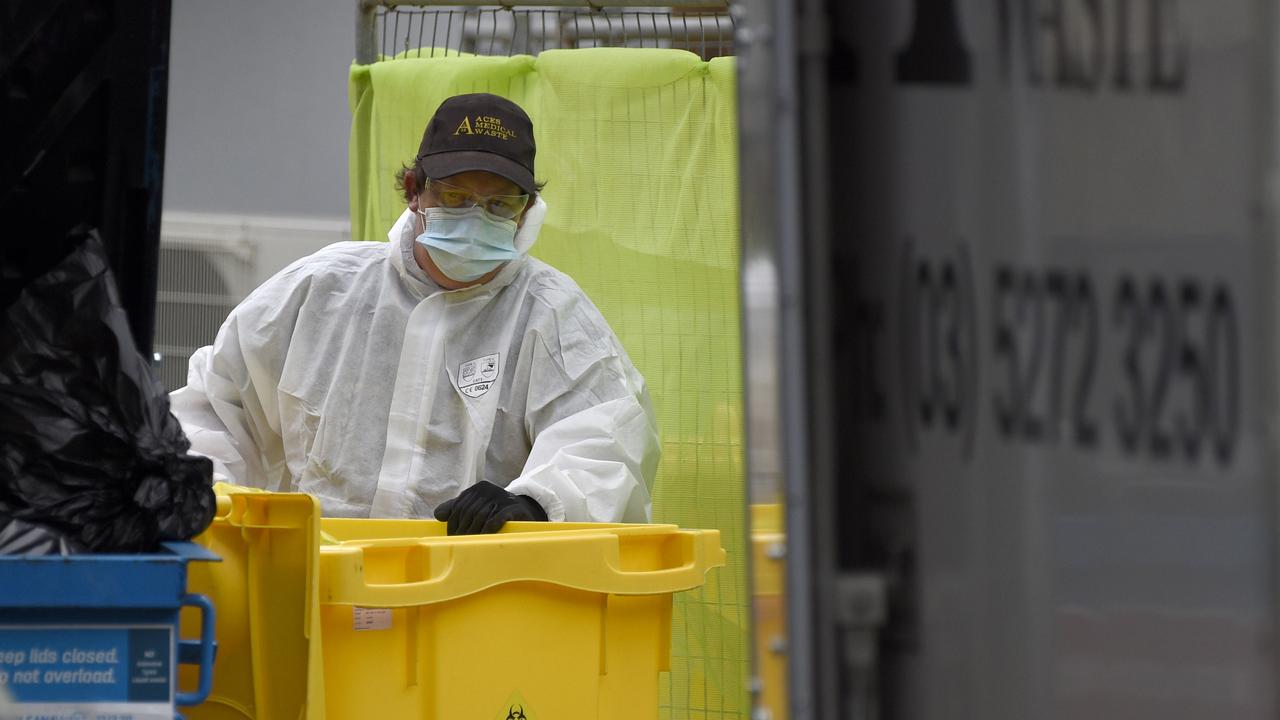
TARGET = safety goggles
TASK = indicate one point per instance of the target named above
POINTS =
(452, 196)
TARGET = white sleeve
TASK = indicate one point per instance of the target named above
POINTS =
(595, 465)
(210, 436)
(229, 408)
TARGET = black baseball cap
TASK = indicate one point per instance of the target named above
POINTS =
(479, 131)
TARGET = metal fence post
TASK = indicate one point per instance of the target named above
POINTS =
(366, 32)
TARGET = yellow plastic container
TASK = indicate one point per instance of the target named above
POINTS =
(348, 529)
(571, 623)
(393, 619)
(268, 664)
(768, 569)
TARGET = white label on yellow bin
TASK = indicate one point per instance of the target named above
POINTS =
(371, 619)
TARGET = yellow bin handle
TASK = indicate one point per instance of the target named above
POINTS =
(444, 569)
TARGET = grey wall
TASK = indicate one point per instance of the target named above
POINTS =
(258, 121)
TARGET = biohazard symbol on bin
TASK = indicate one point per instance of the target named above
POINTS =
(518, 708)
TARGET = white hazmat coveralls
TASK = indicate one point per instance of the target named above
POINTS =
(351, 376)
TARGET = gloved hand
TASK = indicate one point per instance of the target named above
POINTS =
(485, 508)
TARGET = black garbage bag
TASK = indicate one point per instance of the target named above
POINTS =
(88, 447)
(19, 537)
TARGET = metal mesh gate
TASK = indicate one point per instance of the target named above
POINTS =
(390, 31)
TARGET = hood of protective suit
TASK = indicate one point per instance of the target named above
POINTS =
(403, 234)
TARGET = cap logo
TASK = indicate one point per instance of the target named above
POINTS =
(485, 125)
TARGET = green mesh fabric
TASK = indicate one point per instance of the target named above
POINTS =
(639, 150)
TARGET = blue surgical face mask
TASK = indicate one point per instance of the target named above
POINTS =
(467, 243)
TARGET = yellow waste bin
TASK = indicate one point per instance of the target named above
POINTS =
(768, 568)
(268, 664)
(543, 620)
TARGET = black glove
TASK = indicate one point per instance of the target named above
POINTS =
(485, 508)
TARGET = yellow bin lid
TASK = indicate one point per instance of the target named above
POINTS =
(607, 559)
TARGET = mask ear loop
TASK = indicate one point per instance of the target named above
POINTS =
(528, 232)
(418, 212)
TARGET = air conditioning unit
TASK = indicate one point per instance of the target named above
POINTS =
(211, 262)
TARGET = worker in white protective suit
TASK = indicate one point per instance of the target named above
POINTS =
(445, 372)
